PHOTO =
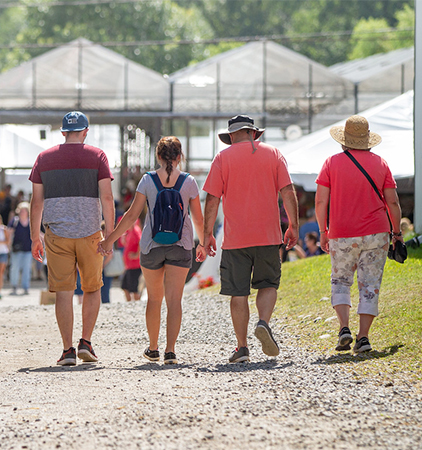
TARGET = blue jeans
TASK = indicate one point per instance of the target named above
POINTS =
(105, 289)
(20, 262)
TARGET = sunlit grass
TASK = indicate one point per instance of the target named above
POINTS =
(304, 304)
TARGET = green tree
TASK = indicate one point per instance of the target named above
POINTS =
(121, 23)
(368, 37)
(11, 22)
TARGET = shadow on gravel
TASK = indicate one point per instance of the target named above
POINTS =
(160, 367)
(246, 367)
(352, 358)
(78, 368)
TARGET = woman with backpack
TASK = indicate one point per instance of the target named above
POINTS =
(166, 242)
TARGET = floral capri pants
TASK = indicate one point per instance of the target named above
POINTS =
(367, 256)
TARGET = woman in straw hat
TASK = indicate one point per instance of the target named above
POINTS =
(357, 231)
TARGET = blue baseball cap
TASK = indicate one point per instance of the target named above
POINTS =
(74, 121)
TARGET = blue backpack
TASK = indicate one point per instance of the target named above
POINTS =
(168, 212)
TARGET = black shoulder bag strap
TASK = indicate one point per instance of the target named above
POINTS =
(371, 181)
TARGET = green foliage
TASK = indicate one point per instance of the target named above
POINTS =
(366, 39)
(157, 21)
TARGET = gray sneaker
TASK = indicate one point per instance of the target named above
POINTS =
(362, 345)
(344, 340)
(264, 334)
(239, 355)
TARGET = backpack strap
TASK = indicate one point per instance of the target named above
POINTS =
(180, 181)
(156, 180)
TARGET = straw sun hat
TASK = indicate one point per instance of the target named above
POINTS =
(355, 134)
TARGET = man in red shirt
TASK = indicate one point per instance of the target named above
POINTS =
(248, 176)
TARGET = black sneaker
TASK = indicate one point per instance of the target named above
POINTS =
(170, 358)
(362, 345)
(264, 334)
(152, 355)
(239, 355)
(68, 358)
(344, 340)
(86, 352)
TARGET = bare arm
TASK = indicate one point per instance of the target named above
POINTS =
(288, 195)
(394, 209)
(198, 222)
(322, 198)
(107, 204)
(210, 216)
(129, 218)
(35, 216)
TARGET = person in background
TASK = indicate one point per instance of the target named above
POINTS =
(6, 203)
(21, 257)
(358, 235)
(248, 176)
(5, 236)
(311, 225)
(131, 258)
(71, 190)
(165, 267)
(312, 246)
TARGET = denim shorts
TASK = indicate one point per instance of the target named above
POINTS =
(4, 257)
(237, 266)
(172, 255)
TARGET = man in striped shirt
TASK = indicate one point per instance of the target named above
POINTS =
(71, 191)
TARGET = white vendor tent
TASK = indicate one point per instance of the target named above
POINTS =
(393, 120)
(83, 75)
(384, 72)
(257, 77)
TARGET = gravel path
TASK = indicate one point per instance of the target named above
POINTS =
(296, 401)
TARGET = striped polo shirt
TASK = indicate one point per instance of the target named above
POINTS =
(70, 174)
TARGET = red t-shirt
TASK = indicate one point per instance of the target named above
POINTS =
(249, 184)
(355, 208)
(131, 245)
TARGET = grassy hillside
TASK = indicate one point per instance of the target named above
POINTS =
(396, 335)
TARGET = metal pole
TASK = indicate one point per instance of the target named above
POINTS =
(218, 93)
(80, 76)
(34, 84)
(417, 118)
(310, 87)
(356, 98)
(126, 86)
(264, 83)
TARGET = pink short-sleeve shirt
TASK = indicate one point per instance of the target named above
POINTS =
(355, 208)
(248, 184)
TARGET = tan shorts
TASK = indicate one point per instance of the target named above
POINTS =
(62, 256)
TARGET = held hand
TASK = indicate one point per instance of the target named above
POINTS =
(37, 250)
(201, 254)
(210, 245)
(325, 243)
(291, 237)
(104, 247)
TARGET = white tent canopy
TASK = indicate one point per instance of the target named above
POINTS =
(257, 77)
(383, 72)
(83, 75)
(393, 120)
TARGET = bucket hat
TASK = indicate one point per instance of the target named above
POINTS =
(239, 123)
(74, 121)
(356, 134)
